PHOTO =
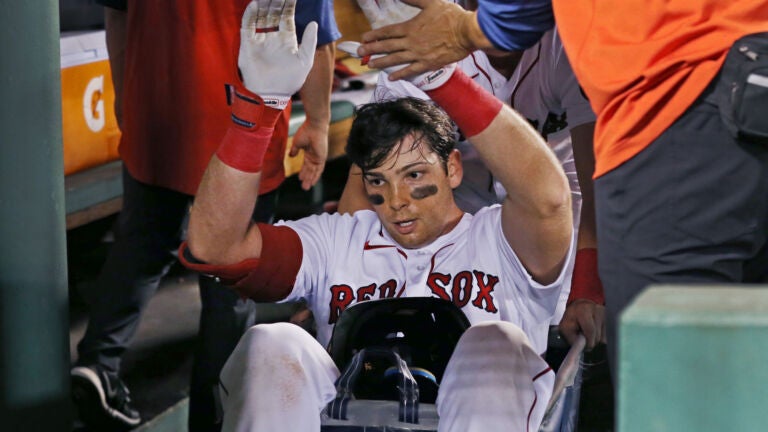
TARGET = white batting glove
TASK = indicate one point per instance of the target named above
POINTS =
(271, 64)
(382, 13)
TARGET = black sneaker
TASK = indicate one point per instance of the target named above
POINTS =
(102, 399)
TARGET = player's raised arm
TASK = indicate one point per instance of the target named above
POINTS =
(434, 33)
(273, 67)
(442, 32)
(536, 216)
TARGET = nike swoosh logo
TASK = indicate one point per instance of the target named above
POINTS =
(369, 246)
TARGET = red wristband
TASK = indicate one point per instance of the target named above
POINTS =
(247, 140)
(469, 105)
(585, 283)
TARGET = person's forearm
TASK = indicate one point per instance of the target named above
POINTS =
(312, 136)
(220, 228)
(116, 36)
(585, 283)
(510, 147)
(583, 154)
(536, 215)
(316, 92)
(443, 33)
(475, 38)
(521, 161)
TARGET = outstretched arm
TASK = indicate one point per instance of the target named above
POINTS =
(443, 33)
(273, 67)
(536, 214)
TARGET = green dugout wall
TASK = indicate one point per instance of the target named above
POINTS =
(34, 349)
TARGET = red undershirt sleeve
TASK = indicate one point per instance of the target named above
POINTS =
(268, 278)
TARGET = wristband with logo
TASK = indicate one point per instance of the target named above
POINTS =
(247, 139)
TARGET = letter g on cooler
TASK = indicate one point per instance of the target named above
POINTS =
(93, 104)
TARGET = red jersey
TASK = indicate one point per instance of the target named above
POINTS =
(642, 63)
(179, 55)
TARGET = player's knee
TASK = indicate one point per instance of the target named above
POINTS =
(270, 347)
(273, 335)
(490, 343)
(495, 332)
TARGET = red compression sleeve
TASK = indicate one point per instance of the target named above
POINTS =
(248, 138)
(268, 278)
(586, 282)
(468, 104)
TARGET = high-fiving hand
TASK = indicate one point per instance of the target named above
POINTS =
(272, 65)
(409, 43)
(383, 13)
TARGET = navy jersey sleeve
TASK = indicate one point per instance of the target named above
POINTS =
(114, 4)
(515, 25)
(320, 11)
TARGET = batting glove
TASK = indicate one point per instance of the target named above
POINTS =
(382, 13)
(273, 67)
(271, 64)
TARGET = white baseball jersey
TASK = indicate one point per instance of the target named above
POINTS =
(348, 259)
(544, 90)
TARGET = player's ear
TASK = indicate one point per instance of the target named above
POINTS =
(455, 169)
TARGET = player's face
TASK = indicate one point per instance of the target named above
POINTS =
(413, 195)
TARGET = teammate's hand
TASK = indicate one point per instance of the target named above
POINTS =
(425, 82)
(437, 35)
(314, 141)
(271, 64)
(584, 317)
(383, 13)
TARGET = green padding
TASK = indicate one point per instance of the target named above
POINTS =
(694, 359)
(340, 110)
(93, 186)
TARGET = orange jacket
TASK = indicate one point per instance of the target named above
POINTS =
(642, 63)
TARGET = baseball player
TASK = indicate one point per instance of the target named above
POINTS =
(503, 266)
(541, 86)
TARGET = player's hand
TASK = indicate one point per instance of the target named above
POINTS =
(381, 13)
(434, 37)
(385, 13)
(271, 64)
(584, 317)
(427, 81)
(314, 141)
